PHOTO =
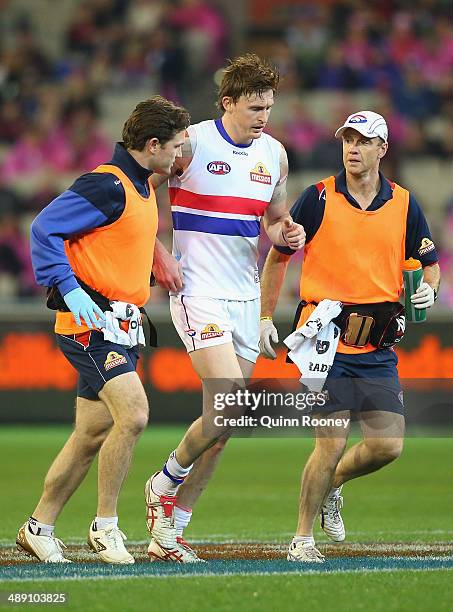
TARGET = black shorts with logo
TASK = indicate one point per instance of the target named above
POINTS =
(96, 360)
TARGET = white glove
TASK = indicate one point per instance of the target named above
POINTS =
(268, 334)
(423, 297)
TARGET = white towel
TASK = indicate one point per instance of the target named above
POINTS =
(122, 311)
(313, 346)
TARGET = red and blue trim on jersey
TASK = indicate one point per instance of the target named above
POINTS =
(230, 222)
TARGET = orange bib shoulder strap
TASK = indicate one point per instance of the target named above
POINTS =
(121, 175)
(113, 170)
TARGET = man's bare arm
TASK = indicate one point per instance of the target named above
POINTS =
(279, 226)
(272, 278)
(431, 275)
(166, 270)
(271, 284)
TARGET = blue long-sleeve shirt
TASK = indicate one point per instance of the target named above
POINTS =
(308, 210)
(93, 200)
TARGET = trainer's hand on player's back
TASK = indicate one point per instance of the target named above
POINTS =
(168, 272)
(268, 334)
(293, 234)
(82, 307)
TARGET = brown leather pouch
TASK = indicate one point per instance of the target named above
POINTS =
(358, 329)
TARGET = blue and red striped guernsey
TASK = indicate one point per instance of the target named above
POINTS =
(225, 204)
(217, 205)
(189, 211)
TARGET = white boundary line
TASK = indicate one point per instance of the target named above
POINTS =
(276, 539)
(311, 572)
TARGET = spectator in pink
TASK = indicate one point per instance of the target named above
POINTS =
(35, 152)
(402, 43)
(204, 28)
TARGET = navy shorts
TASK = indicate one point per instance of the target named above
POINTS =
(96, 360)
(367, 381)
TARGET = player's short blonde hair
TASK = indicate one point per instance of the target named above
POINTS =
(245, 75)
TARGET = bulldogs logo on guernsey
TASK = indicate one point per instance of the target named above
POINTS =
(217, 205)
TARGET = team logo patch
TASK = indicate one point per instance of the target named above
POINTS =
(260, 174)
(322, 346)
(426, 246)
(191, 332)
(113, 360)
(218, 167)
(358, 119)
(211, 331)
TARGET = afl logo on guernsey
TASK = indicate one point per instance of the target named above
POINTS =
(260, 174)
(218, 167)
(358, 119)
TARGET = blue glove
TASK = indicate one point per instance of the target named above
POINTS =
(81, 305)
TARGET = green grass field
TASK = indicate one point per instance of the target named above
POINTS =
(253, 497)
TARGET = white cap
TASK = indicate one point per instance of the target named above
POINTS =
(368, 123)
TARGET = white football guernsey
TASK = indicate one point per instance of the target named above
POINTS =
(217, 204)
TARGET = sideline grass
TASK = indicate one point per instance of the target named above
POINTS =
(253, 495)
(386, 592)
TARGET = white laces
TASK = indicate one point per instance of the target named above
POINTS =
(313, 553)
(189, 550)
(115, 537)
(60, 544)
(58, 553)
(309, 552)
(333, 506)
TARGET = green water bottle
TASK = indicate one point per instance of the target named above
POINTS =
(413, 277)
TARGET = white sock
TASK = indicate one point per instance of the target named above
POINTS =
(101, 522)
(37, 528)
(335, 492)
(168, 481)
(304, 540)
(182, 518)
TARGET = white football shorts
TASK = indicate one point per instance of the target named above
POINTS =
(206, 321)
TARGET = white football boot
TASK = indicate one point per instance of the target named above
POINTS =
(160, 516)
(181, 541)
(44, 548)
(108, 543)
(304, 552)
(330, 517)
(181, 553)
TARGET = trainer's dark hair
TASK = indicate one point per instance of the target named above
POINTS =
(245, 75)
(154, 118)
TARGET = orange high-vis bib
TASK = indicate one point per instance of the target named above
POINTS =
(357, 255)
(116, 259)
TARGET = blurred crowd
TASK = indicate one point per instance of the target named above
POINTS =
(51, 131)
